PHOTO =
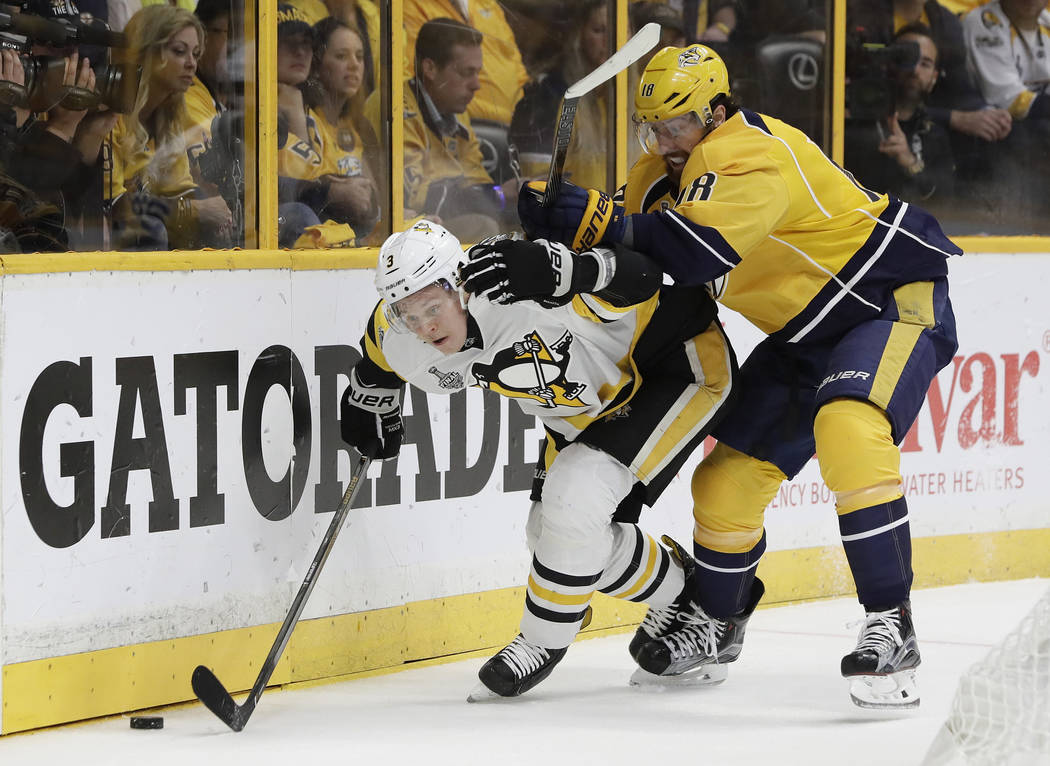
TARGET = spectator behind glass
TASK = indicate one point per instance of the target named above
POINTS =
(155, 199)
(209, 94)
(504, 75)
(312, 188)
(920, 165)
(1007, 42)
(444, 175)
(347, 143)
(49, 175)
(362, 15)
(533, 125)
(956, 102)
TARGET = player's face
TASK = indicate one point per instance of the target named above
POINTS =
(673, 139)
(178, 62)
(435, 315)
(452, 87)
(343, 65)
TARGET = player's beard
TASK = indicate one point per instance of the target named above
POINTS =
(674, 162)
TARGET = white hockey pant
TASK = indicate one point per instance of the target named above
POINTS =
(577, 548)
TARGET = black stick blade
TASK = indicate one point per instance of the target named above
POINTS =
(213, 694)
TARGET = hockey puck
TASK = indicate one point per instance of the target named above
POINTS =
(147, 722)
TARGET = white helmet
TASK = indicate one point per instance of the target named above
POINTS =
(411, 260)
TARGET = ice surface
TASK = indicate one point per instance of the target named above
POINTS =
(784, 703)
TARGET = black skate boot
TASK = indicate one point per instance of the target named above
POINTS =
(515, 669)
(694, 647)
(881, 670)
(659, 621)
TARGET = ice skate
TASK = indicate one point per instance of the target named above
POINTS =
(514, 670)
(881, 670)
(702, 640)
(711, 674)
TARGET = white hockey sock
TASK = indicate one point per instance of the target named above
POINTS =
(640, 569)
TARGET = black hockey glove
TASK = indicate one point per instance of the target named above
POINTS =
(370, 419)
(580, 218)
(510, 270)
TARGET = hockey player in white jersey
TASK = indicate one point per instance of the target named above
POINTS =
(626, 377)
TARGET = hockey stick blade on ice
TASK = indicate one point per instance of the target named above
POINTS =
(643, 42)
(209, 688)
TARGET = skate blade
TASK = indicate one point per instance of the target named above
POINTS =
(482, 693)
(706, 675)
(896, 691)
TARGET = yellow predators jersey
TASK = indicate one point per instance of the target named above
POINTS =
(341, 147)
(784, 235)
(140, 164)
(430, 157)
(321, 152)
(201, 109)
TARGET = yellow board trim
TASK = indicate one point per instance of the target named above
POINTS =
(92, 684)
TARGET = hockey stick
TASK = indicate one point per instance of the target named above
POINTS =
(210, 690)
(632, 50)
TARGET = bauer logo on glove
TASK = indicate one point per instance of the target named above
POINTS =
(580, 218)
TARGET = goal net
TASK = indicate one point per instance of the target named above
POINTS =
(1001, 711)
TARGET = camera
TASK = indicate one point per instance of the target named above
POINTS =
(58, 24)
(871, 71)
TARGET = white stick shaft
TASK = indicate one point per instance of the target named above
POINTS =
(643, 42)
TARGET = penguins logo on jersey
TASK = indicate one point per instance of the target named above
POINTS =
(450, 380)
(531, 369)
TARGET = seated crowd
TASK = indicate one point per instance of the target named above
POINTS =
(139, 146)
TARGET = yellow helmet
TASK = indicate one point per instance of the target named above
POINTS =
(679, 81)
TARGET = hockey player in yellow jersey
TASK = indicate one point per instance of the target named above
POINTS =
(850, 288)
(626, 378)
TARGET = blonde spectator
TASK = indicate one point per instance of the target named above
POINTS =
(532, 128)
(148, 179)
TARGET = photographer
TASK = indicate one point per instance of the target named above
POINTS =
(956, 102)
(921, 165)
(54, 156)
(156, 203)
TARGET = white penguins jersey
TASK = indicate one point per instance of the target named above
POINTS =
(567, 365)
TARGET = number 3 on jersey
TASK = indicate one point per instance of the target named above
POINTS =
(699, 190)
